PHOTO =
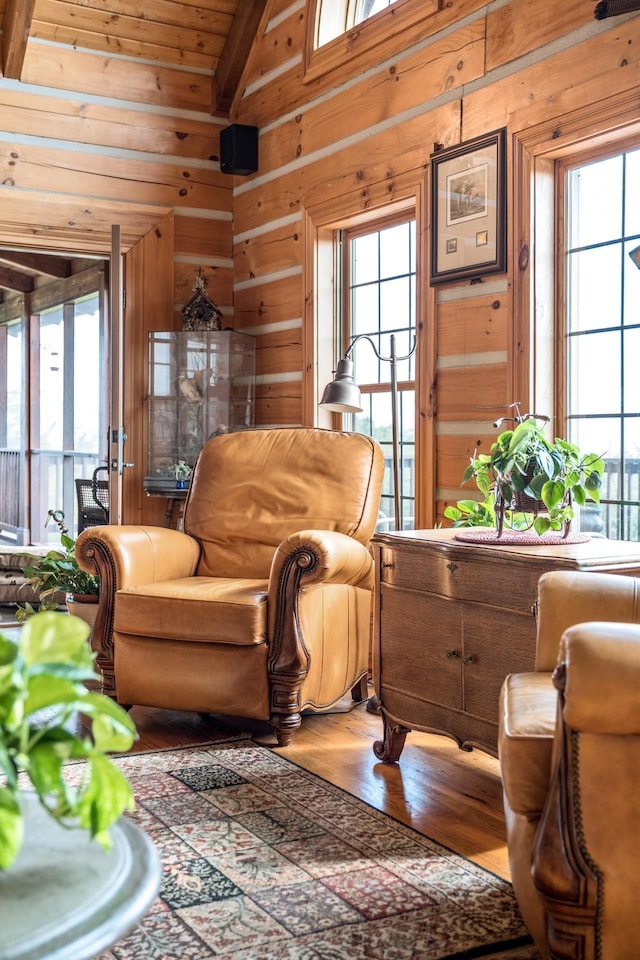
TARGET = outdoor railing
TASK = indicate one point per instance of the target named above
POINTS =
(52, 488)
(10, 490)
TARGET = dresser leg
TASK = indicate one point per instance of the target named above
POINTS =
(390, 748)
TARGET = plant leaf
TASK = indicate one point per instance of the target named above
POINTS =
(45, 769)
(106, 797)
(536, 486)
(48, 691)
(579, 495)
(11, 827)
(8, 651)
(541, 524)
(42, 641)
(552, 493)
(110, 734)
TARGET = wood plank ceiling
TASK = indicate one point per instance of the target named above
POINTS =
(211, 35)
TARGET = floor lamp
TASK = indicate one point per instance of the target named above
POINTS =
(342, 395)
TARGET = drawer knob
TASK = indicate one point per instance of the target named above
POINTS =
(386, 565)
(472, 658)
(452, 567)
(452, 654)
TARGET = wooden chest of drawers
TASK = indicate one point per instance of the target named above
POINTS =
(452, 619)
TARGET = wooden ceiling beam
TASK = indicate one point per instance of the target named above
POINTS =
(49, 265)
(16, 26)
(235, 52)
(13, 280)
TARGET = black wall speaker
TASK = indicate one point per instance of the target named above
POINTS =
(239, 149)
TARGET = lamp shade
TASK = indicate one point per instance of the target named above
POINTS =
(635, 256)
(342, 394)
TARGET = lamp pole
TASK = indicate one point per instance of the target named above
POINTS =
(394, 430)
(342, 394)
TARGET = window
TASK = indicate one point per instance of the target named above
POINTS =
(602, 330)
(379, 280)
(11, 419)
(336, 36)
(369, 8)
(52, 423)
(68, 430)
(334, 17)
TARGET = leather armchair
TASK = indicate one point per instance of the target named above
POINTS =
(261, 607)
(569, 747)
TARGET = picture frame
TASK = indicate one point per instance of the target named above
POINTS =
(468, 209)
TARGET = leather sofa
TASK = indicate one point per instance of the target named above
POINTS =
(569, 748)
(261, 606)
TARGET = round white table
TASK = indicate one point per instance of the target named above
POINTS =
(65, 898)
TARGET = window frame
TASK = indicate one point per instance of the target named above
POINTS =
(39, 463)
(537, 376)
(339, 55)
(323, 342)
(563, 167)
(382, 387)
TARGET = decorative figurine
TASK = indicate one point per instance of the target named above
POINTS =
(200, 313)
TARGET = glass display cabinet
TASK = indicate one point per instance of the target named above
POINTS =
(201, 383)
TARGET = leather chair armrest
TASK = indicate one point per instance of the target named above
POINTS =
(324, 556)
(569, 597)
(308, 558)
(599, 674)
(137, 554)
(123, 556)
(585, 853)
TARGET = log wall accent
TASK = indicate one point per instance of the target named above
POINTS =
(354, 133)
(111, 122)
(90, 137)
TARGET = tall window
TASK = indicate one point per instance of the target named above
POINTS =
(53, 422)
(69, 430)
(379, 267)
(602, 331)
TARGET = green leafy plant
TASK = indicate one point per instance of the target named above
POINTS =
(42, 695)
(529, 481)
(472, 513)
(57, 573)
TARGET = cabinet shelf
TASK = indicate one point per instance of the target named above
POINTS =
(201, 383)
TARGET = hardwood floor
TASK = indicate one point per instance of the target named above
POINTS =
(452, 796)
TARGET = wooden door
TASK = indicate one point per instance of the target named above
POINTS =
(148, 298)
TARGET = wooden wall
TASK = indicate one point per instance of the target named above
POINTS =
(103, 150)
(88, 139)
(353, 136)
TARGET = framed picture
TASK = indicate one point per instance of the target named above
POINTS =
(468, 209)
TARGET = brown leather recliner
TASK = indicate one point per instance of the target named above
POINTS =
(262, 606)
(569, 747)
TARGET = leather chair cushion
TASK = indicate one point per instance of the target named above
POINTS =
(567, 597)
(317, 479)
(184, 610)
(528, 704)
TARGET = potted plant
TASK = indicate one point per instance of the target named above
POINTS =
(57, 578)
(182, 473)
(529, 481)
(42, 695)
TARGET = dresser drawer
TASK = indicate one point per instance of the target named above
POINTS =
(511, 585)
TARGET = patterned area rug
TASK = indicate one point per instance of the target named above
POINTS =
(265, 861)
